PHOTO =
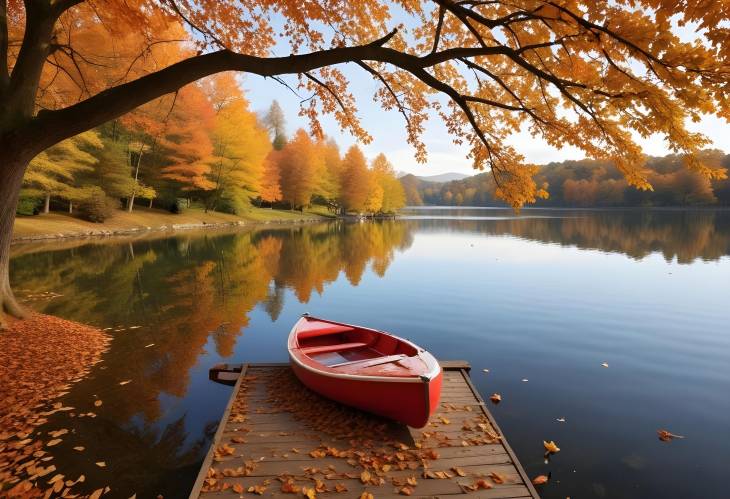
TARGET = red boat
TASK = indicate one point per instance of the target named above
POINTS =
(364, 368)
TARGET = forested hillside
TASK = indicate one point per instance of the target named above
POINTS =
(587, 183)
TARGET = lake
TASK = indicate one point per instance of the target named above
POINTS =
(542, 300)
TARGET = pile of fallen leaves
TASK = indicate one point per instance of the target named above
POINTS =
(351, 452)
(40, 358)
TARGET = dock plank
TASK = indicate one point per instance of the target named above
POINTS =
(278, 436)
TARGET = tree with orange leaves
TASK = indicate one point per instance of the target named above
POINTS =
(186, 141)
(572, 73)
(298, 163)
(270, 180)
(357, 182)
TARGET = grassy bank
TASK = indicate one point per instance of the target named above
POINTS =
(52, 225)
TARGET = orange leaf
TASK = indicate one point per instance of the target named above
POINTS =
(496, 398)
(664, 436)
(540, 479)
(238, 488)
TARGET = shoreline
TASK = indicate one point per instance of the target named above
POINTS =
(22, 233)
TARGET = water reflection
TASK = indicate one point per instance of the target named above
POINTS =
(176, 305)
(682, 234)
(165, 301)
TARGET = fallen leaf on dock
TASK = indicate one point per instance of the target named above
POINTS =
(150, 345)
(365, 476)
(53, 442)
(259, 490)
(366, 495)
(496, 478)
(238, 488)
(309, 493)
(664, 436)
(540, 480)
(496, 398)
(122, 383)
(405, 491)
(458, 471)
(551, 447)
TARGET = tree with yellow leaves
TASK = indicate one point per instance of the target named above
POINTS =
(240, 146)
(52, 171)
(581, 74)
(393, 196)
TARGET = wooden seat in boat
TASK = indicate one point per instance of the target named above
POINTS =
(370, 362)
(338, 347)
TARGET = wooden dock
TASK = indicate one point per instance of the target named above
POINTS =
(276, 438)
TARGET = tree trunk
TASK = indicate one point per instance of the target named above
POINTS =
(151, 199)
(47, 205)
(70, 207)
(130, 203)
(10, 182)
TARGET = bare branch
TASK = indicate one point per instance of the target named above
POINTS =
(385, 83)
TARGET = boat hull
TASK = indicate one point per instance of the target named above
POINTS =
(368, 369)
(410, 402)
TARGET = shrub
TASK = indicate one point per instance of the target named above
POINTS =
(95, 206)
(28, 206)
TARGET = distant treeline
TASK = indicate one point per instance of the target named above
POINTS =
(588, 183)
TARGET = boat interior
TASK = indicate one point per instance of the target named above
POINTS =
(345, 347)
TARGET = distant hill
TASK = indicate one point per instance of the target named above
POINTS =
(443, 177)
(586, 183)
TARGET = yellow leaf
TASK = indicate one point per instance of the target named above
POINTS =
(496, 478)
(550, 446)
(98, 403)
(365, 476)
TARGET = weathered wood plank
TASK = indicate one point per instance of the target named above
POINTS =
(268, 435)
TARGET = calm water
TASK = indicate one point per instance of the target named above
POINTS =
(547, 296)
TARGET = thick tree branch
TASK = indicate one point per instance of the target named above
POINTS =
(55, 126)
(40, 19)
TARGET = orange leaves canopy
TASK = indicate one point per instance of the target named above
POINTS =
(592, 76)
